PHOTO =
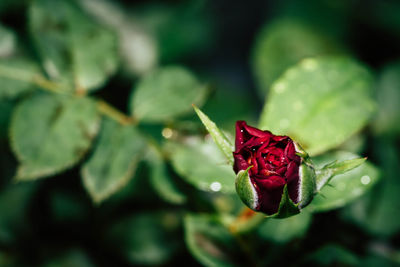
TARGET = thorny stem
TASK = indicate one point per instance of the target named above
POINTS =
(53, 87)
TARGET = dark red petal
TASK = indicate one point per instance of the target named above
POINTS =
(281, 170)
(240, 163)
(271, 183)
(257, 132)
(290, 151)
(260, 160)
(239, 139)
(292, 176)
(292, 171)
(293, 190)
(279, 138)
(254, 169)
(269, 199)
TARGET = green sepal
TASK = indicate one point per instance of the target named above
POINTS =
(307, 176)
(218, 136)
(287, 207)
(326, 173)
(245, 189)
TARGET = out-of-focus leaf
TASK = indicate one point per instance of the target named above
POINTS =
(72, 47)
(50, 133)
(332, 255)
(72, 258)
(160, 178)
(343, 188)
(6, 5)
(381, 254)
(385, 15)
(355, 144)
(165, 94)
(7, 42)
(236, 105)
(16, 77)
(67, 208)
(320, 102)
(6, 108)
(284, 43)
(146, 238)
(388, 97)
(14, 204)
(181, 30)
(137, 45)
(223, 143)
(284, 230)
(114, 160)
(210, 242)
(375, 211)
(203, 165)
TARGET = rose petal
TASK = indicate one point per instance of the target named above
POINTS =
(292, 171)
(240, 163)
(239, 140)
(271, 183)
(257, 132)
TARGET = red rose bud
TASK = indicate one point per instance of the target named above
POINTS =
(274, 175)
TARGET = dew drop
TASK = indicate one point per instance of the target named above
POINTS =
(215, 186)
(365, 179)
(241, 131)
(167, 133)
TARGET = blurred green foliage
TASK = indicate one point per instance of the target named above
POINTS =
(95, 111)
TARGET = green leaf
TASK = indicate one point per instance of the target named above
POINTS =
(282, 231)
(331, 255)
(376, 210)
(218, 136)
(73, 49)
(50, 133)
(209, 242)
(278, 47)
(236, 103)
(114, 160)
(146, 238)
(16, 77)
(203, 165)
(166, 94)
(320, 103)
(161, 180)
(185, 30)
(334, 168)
(388, 97)
(344, 188)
